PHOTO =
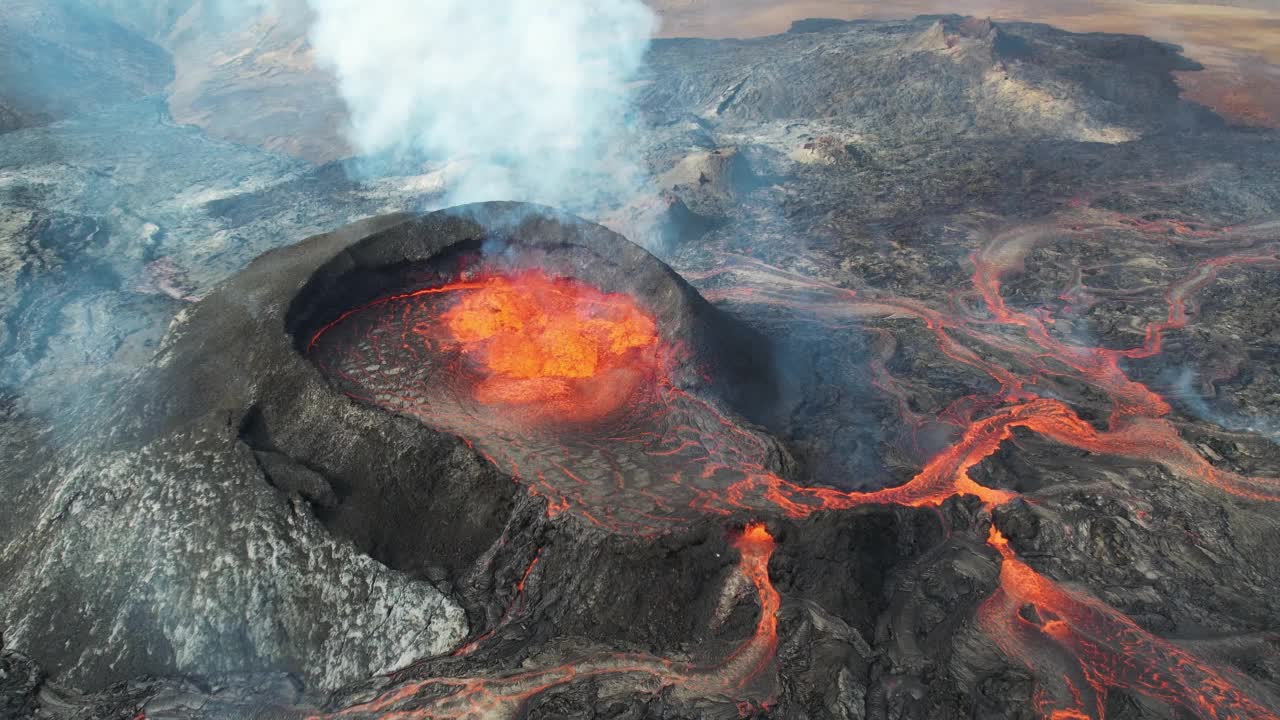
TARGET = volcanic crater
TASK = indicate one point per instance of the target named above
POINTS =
(569, 358)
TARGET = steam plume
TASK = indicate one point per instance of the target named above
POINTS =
(530, 96)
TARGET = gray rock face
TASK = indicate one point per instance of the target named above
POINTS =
(928, 78)
(20, 678)
(154, 544)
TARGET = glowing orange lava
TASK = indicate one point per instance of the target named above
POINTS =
(554, 345)
(1079, 648)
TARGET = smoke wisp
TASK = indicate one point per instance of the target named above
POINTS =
(530, 98)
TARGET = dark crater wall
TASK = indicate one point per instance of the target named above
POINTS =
(733, 361)
(588, 574)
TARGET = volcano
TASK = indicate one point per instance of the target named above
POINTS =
(930, 376)
(400, 369)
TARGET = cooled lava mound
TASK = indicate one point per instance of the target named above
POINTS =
(571, 359)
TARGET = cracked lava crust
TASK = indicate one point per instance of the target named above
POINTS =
(655, 549)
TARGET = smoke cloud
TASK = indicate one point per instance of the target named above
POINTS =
(1185, 391)
(530, 97)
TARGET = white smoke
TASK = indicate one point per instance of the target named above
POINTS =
(528, 97)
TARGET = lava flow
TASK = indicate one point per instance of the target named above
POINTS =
(1079, 648)
(504, 696)
(563, 386)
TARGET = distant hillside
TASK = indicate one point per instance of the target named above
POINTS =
(58, 58)
(930, 77)
(250, 76)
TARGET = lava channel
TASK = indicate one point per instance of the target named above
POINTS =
(1079, 648)
(1076, 646)
(653, 454)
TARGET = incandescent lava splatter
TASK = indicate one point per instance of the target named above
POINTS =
(553, 346)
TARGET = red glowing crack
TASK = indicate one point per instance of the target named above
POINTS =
(1078, 648)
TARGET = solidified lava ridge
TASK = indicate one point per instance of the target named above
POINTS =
(740, 674)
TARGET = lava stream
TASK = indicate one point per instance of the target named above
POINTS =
(1078, 648)
(503, 696)
(1137, 429)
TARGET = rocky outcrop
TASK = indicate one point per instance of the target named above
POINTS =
(156, 543)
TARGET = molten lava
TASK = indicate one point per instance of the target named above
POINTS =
(1079, 648)
(565, 387)
(556, 346)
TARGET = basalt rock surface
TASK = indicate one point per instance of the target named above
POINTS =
(159, 529)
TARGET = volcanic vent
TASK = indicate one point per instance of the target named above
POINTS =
(568, 357)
